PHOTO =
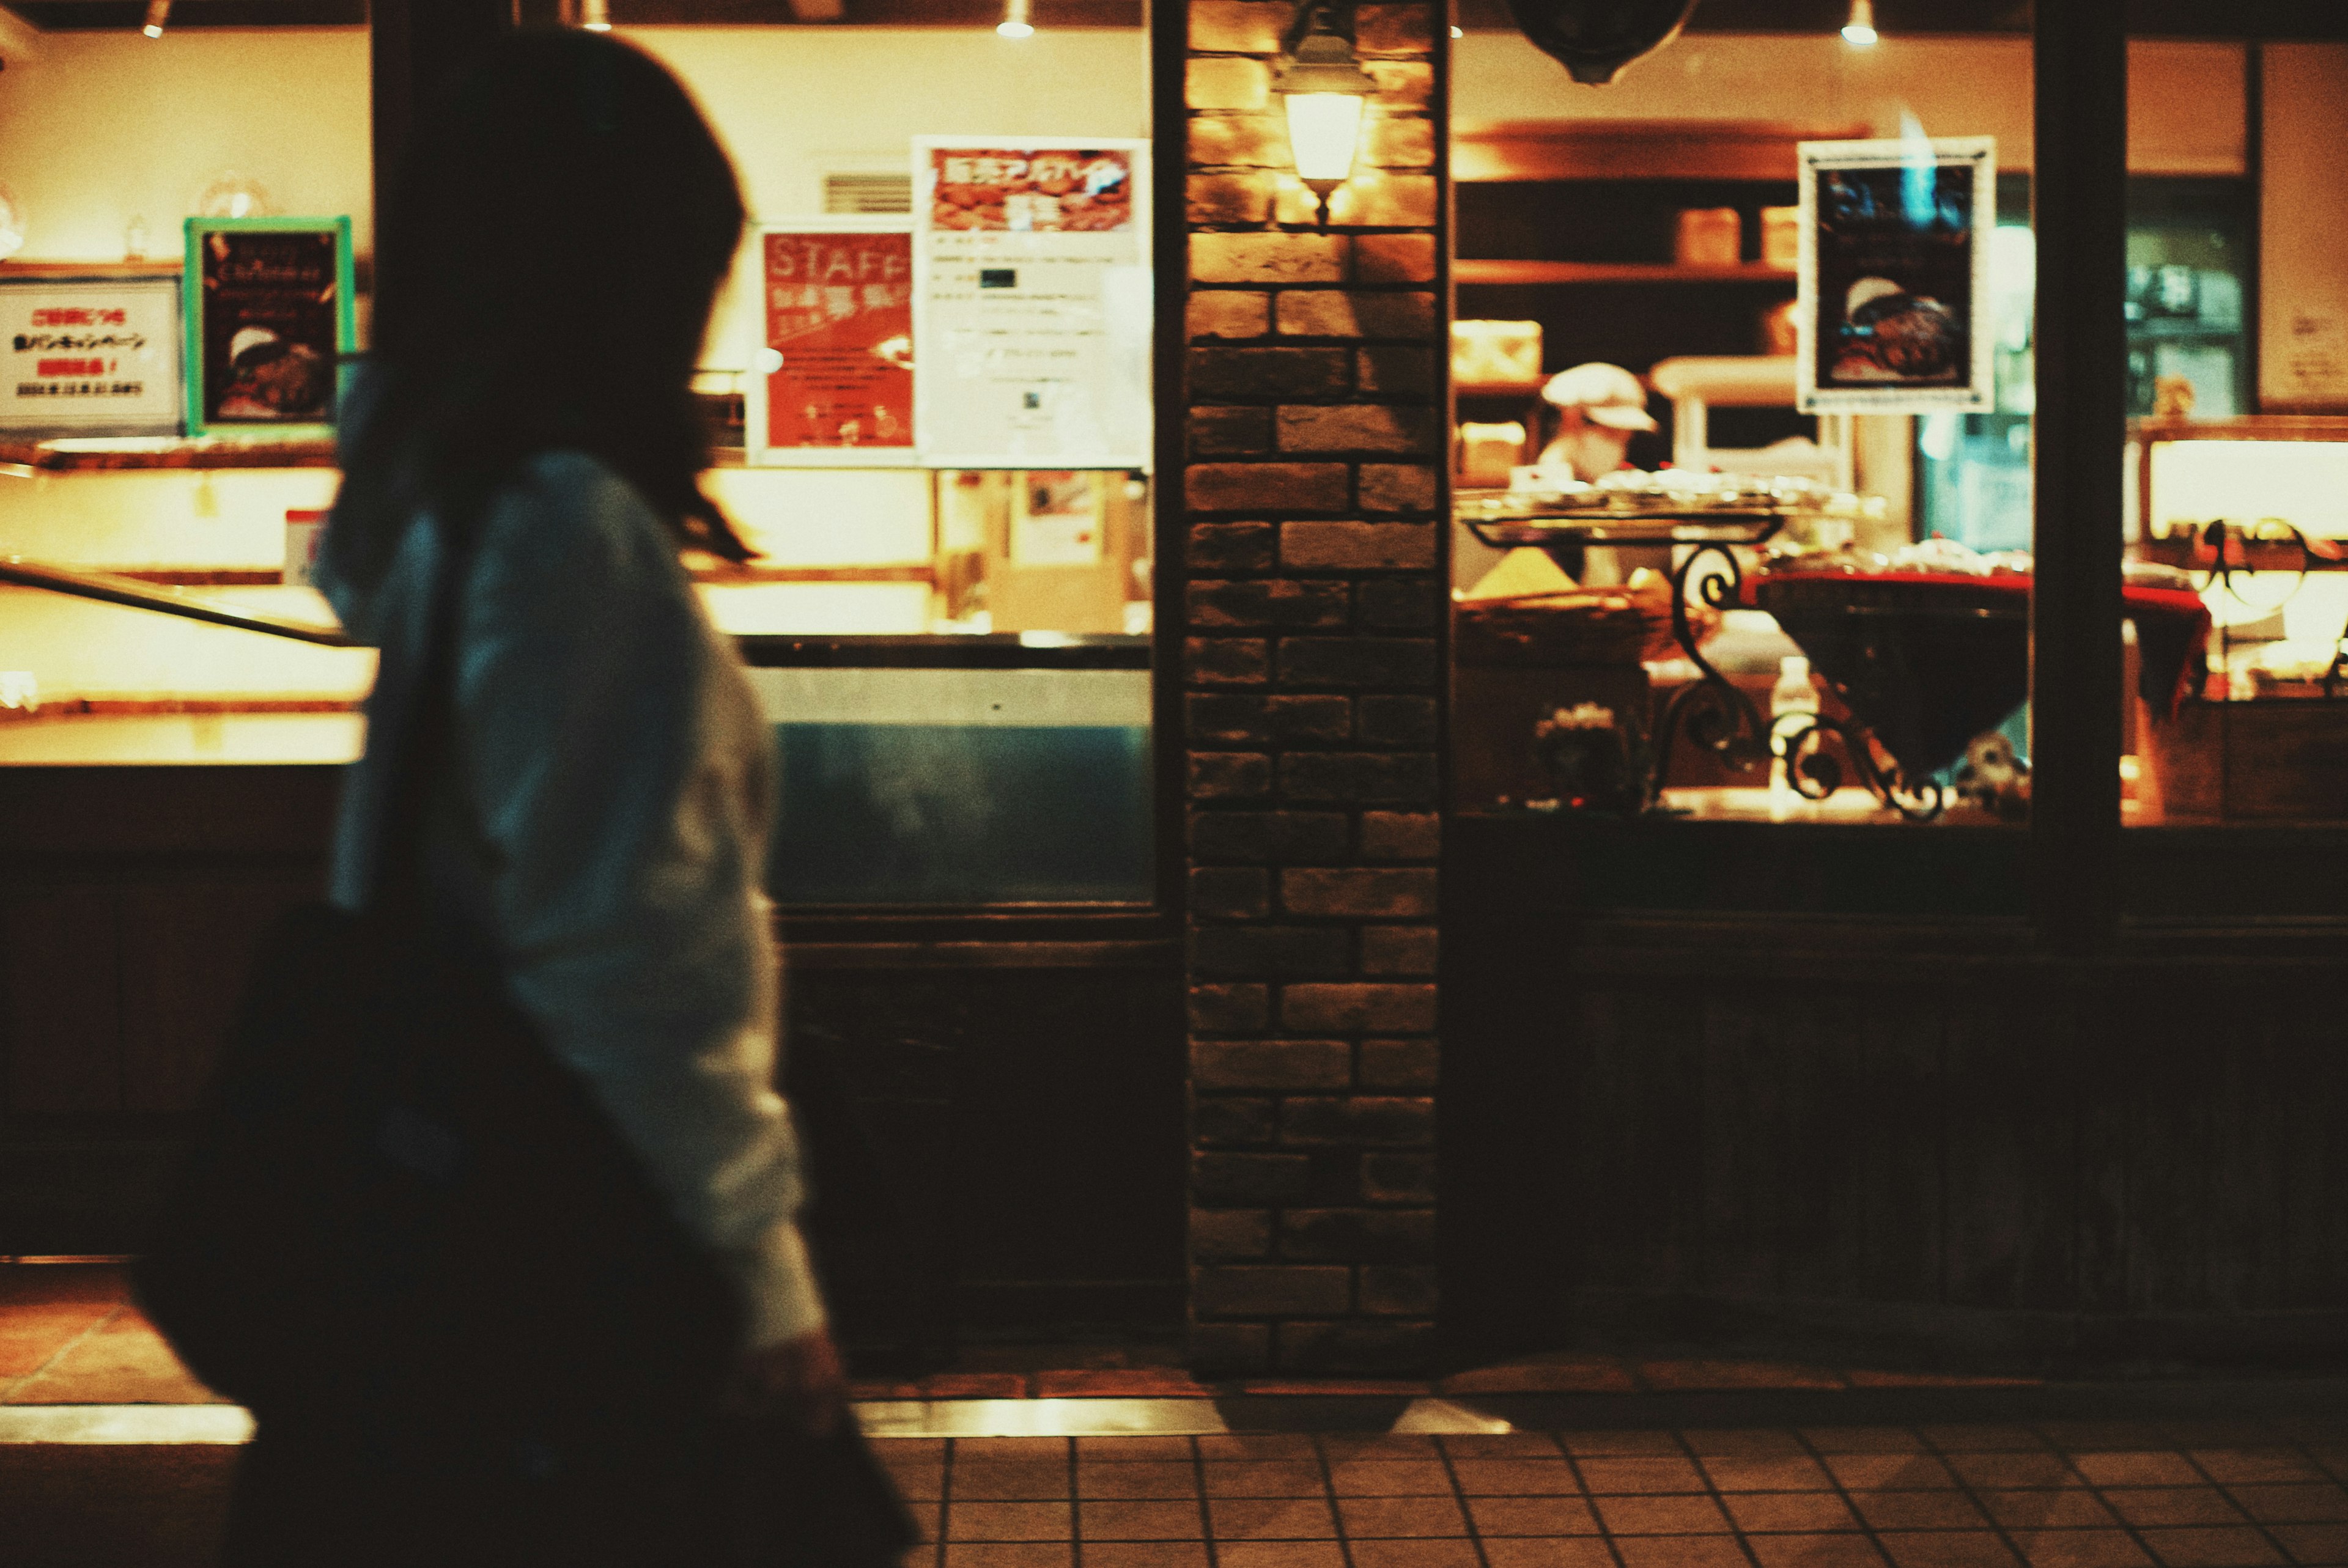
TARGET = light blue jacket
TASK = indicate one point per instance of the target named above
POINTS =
(605, 830)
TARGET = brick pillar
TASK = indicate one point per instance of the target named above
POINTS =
(1312, 712)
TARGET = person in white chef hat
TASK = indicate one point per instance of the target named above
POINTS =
(1599, 408)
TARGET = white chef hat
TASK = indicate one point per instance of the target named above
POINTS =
(1606, 394)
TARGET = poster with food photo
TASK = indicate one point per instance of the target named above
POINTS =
(266, 307)
(1031, 303)
(1893, 314)
(833, 381)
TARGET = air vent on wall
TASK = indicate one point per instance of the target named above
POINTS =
(867, 193)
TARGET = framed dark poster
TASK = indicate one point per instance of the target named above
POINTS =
(266, 306)
(1894, 313)
(832, 381)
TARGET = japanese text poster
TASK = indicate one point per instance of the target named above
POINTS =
(1033, 302)
(1895, 276)
(268, 309)
(91, 355)
(835, 375)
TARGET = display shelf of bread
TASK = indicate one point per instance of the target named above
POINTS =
(1527, 611)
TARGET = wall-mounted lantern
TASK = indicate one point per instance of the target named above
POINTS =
(1325, 89)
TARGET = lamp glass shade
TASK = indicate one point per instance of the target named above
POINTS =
(1323, 129)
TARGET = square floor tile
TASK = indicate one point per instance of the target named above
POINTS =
(1532, 1516)
(978, 1449)
(1639, 1475)
(1982, 1437)
(1124, 1450)
(1256, 1446)
(2143, 1468)
(1815, 1551)
(917, 1482)
(2012, 1470)
(2081, 1437)
(1515, 1477)
(1499, 1445)
(1585, 1444)
(1008, 1521)
(1888, 1471)
(1141, 1478)
(1659, 1515)
(1023, 1554)
(2326, 1504)
(2256, 1465)
(2078, 1549)
(1744, 1442)
(2059, 1508)
(2213, 1546)
(1451, 1554)
(1280, 1554)
(1680, 1552)
(1371, 1518)
(1144, 1554)
(1389, 1478)
(2312, 1545)
(1007, 1481)
(1271, 1519)
(1863, 1440)
(1785, 1472)
(1785, 1511)
(1945, 1549)
(1114, 1519)
(2171, 1505)
(1918, 1511)
(1335, 1446)
(1573, 1551)
(1264, 1477)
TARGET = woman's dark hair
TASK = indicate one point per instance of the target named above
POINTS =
(545, 267)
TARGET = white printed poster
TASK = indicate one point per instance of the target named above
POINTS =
(1031, 303)
(91, 355)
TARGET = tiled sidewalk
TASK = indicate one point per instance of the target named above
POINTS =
(2211, 1495)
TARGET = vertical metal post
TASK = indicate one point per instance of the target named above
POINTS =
(2079, 203)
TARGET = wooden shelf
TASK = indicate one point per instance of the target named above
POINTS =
(1522, 149)
(1465, 272)
(1499, 389)
(84, 454)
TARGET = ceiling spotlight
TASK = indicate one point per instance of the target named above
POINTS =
(595, 16)
(1015, 22)
(1859, 31)
(158, 12)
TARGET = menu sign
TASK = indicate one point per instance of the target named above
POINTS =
(834, 380)
(91, 355)
(267, 313)
(1032, 302)
(1894, 315)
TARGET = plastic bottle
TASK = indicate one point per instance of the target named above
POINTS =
(1793, 693)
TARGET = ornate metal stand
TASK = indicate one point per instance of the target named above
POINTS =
(1815, 774)
(1715, 713)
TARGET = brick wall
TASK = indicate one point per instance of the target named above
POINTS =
(1312, 705)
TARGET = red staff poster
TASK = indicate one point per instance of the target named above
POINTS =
(833, 383)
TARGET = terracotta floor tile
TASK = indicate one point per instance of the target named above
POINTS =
(2253, 1466)
(1119, 1520)
(2171, 1505)
(1639, 1475)
(1384, 1518)
(2011, 1469)
(2312, 1544)
(1582, 1375)
(975, 1386)
(1918, 1510)
(1573, 1551)
(1119, 1383)
(894, 1451)
(2139, 1467)
(1272, 1518)
(1532, 1516)
(2079, 1549)
(1337, 1446)
(2324, 1504)
(2213, 1546)
(2062, 1509)
(1132, 1450)
(1010, 1449)
(1785, 1511)
(1888, 1471)
(1680, 1552)
(1008, 1521)
(918, 1482)
(1815, 1551)
(1499, 1445)
(1691, 1374)
(1389, 1478)
(1456, 1552)
(1144, 1554)
(1945, 1549)
(1143, 1478)
(1982, 1437)
(1581, 1445)
(1280, 1554)
(1007, 1479)
(1659, 1515)
(1744, 1443)
(2082, 1437)
(1863, 1440)
(1255, 1445)
(1264, 1477)
(1024, 1554)
(1780, 1473)
(2219, 1432)
(1515, 1477)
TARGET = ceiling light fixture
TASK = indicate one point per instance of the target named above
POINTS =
(1859, 31)
(1015, 22)
(158, 12)
(595, 16)
(1326, 91)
